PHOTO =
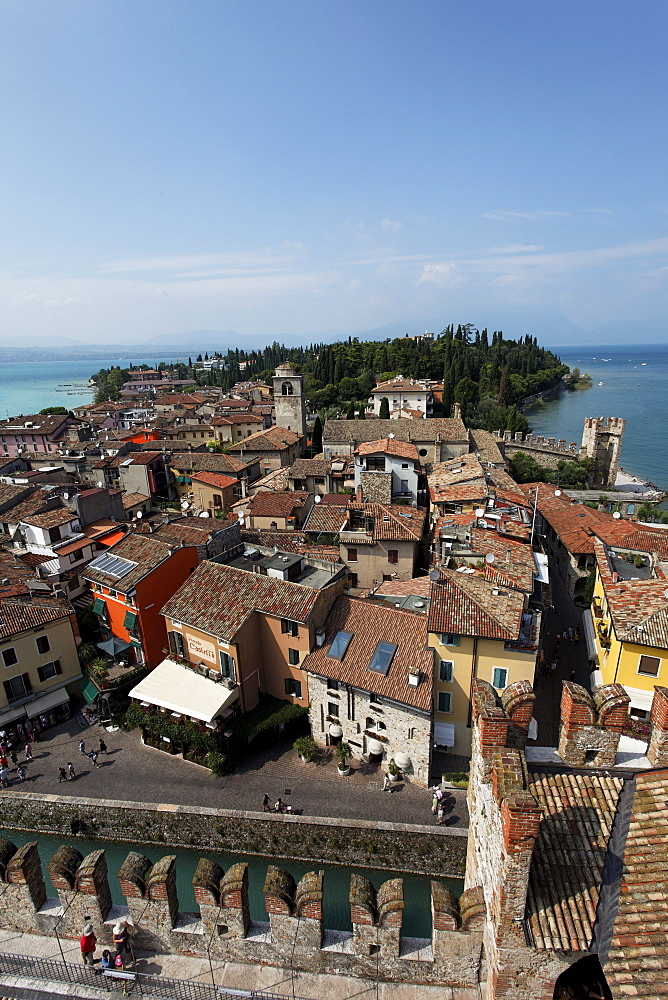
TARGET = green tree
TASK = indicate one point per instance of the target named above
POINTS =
(525, 469)
(362, 412)
(384, 413)
(466, 392)
(316, 436)
(56, 410)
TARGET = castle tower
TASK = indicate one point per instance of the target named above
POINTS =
(602, 441)
(289, 400)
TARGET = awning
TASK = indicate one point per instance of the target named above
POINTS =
(590, 637)
(130, 620)
(113, 646)
(639, 698)
(444, 734)
(47, 702)
(111, 539)
(181, 690)
(88, 690)
(99, 606)
(542, 572)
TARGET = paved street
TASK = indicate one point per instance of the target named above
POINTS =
(135, 772)
(572, 656)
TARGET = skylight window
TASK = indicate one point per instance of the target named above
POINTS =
(339, 645)
(380, 662)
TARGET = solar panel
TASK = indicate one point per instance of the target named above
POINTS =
(339, 645)
(381, 659)
(111, 565)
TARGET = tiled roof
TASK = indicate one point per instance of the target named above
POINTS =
(400, 385)
(326, 518)
(503, 481)
(389, 446)
(35, 423)
(513, 560)
(25, 508)
(276, 480)
(144, 550)
(218, 599)
(218, 479)
(18, 616)
(567, 862)
(638, 608)
(637, 964)
(80, 543)
(131, 499)
(236, 418)
(335, 499)
(200, 461)
(371, 623)
(274, 439)
(8, 492)
(459, 492)
(304, 467)
(572, 522)
(286, 541)
(466, 605)
(51, 518)
(408, 412)
(356, 431)
(101, 527)
(456, 470)
(271, 503)
(485, 444)
(420, 587)
(393, 523)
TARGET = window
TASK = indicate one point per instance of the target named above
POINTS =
(43, 644)
(374, 699)
(226, 664)
(404, 465)
(288, 627)
(74, 556)
(332, 685)
(393, 555)
(48, 670)
(448, 639)
(352, 555)
(54, 534)
(293, 687)
(217, 500)
(499, 677)
(17, 687)
(444, 701)
(382, 658)
(375, 463)
(293, 657)
(445, 670)
(649, 665)
(318, 480)
(176, 644)
(333, 709)
(352, 580)
(10, 657)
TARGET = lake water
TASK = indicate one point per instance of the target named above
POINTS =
(417, 912)
(634, 384)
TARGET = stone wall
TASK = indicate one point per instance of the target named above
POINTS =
(422, 850)
(376, 487)
(294, 936)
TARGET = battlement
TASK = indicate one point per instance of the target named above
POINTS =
(591, 724)
(222, 929)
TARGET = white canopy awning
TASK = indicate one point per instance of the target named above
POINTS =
(590, 637)
(181, 690)
(542, 572)
(639, 698)
(444, 734)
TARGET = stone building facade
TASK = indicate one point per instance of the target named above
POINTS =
(289, 399)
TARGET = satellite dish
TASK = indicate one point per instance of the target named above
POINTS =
(479, 512)
(390, 435)
(665, 594)
(66, 496)
(241, 517)
(203, 513)
(185, 505)
(100, 484)
(616, 515)
(557, 493)
(318, 499)
(139, 515)
(489, 558)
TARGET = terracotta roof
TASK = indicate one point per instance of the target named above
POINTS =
(304, 467)
(101, 527)
(486, 446)
(373, 429)
(371, 623)
(327, 518)
(200, 461)
(638, 608)
(191, 530)
(567, 862)
(276, 480)
(219, 599)
(132, 458)
(388, 446)
(456, 470)
(144, 550)
(274, 439)
(132, 499)
(513, 560)
(420, 586)
(637, 961)
(335, 499)
(80, 543)
(18, 616)
(393, 523)
(236, 418)
(286, 541)
(411, 414)
(400, 385)
(572, 522)
(25, 508)
(272, 503)
(459, 492)
(33, 423)
(51, 518)
(466, 605)
(218, 479)
(34, 560)
(9, 492)
(234, 404)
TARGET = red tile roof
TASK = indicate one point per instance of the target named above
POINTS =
(389, 446)
(326, 518)
(272, 503)
(274, 439)
(218, 479)
(19, 616)
(393, 523)
(145, 551)
(467, 605)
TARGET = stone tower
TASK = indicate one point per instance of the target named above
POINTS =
(602, 441)
(289, 400)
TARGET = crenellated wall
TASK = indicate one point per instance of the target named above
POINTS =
(294, 935)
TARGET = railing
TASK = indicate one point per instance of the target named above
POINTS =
(51, 971)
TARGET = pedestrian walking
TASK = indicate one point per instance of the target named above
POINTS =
(4, 777)
(70, 771)
(62, 774)
(82, 748)
(13, 757)
(21, 771)
(439, 813)
(279, 805)
(386, 783)
(93, 757)
(88, 943)
(266, 803)
(28, 751)
(103, 746)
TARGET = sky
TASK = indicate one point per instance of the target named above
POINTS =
(302, 169)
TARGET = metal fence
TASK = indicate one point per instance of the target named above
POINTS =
(139, 984)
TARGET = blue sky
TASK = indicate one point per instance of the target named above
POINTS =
(308, 169)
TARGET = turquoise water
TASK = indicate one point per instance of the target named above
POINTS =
(635, 381)
(417, 913)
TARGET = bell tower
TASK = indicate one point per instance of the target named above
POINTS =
(289, 401)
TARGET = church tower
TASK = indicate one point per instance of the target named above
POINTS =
(289, 401)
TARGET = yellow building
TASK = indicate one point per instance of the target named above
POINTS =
(477, 629)
(627, 626)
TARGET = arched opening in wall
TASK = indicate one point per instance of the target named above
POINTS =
(584, 980)
(287, 389)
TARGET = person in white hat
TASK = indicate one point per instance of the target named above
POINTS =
(121, 938)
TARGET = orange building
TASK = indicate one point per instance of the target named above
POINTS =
(130, 584)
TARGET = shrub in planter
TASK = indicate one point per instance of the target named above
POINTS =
(342, 753)
(219, 763)
(305, 747)
(392, 768)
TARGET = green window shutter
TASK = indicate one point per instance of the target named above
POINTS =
(130, 620)
(99, 606)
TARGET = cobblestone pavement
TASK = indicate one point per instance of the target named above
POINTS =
(131, 771)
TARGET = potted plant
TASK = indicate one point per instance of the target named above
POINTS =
(305, 747)
(342, 753)
(393, 770)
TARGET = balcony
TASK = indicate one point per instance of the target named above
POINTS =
(527, 641)
(356, 536)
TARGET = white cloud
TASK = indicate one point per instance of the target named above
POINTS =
(514, 248)
(390, 225)
(537, 215)
(446, 274)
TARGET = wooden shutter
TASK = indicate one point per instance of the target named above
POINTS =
(26, 681)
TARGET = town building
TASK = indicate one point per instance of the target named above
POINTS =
(403, 394)
(213, 492)
(289, 399)
(282, 511)
(236, 426)
(274, 449)
(389, 471)
(37, 432)
(378, 542)
(436, 439)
